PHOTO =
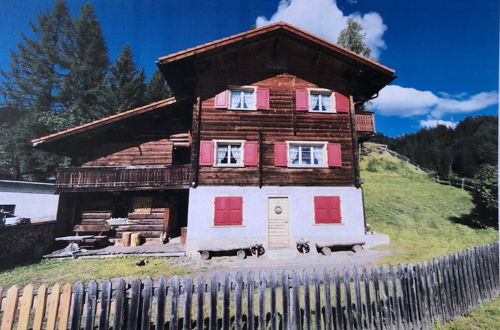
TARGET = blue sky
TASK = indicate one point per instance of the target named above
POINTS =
(445, 52)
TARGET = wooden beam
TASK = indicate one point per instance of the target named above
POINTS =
(195, 147)
(355, 150)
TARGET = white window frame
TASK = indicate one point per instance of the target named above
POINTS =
(308, 143)
(234, 142)
(252, 89)
(323, 92)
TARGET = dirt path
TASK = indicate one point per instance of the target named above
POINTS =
(311, 261)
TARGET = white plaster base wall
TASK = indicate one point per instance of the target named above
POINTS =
(202, 233)
(32, 205)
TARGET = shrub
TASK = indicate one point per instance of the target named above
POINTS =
(485, 197)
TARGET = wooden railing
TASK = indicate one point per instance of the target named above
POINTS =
(122, 177)
(404, 297)
(365, 123)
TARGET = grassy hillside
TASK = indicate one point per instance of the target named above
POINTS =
(416, 212)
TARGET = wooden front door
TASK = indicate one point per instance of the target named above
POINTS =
(277, 222)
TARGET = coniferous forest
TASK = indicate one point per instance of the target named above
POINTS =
(459, 151)
(60, 76)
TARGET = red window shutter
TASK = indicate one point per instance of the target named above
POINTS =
(235, 211)
(206, 153)
(334, 155)
(221, 100)
(250, 157)
(327, 209)
(228, 211)
(341, 102)
(280, 154)
(221, 211)
(262, 98)
(302, 99)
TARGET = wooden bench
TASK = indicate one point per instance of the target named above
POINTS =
(98, 233)
(326, 249)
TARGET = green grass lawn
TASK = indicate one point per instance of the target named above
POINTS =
(416, 212)
(485, 317)
(68, 270)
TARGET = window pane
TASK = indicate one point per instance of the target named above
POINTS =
(222, 154)
(325, 102)
(318, 155)
(314, 101)
(235, 154)
(248, 100)
(236, 100)
(306, 155)
(293, 154)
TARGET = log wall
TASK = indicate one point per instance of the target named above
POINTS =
(279, 124)
(148, 153)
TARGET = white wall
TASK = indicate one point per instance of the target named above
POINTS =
(34, 205)
(201, 232)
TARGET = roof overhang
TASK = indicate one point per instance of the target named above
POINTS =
(276, 44)
(67, 142)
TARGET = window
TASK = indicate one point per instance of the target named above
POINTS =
(228, 154)
(228, 211)
(327, 210)
(320, 101)
(306, 155)
(242, 99)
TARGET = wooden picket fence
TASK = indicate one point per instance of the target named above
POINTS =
(410, 297)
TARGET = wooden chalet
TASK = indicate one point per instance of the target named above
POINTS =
(259, 144)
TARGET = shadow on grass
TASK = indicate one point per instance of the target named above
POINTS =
(472, 220)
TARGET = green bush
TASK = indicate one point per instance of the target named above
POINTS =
(485, 197)
(372, 165)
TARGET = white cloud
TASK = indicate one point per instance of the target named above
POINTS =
(431, 123)
(325, 19)
(394, 100)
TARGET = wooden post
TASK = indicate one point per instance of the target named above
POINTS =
(214, 287)
(195, 145)
(250, 289)
(238, 298)
(120, 297)
(226, 301)
(135, 239)
(188, 295)
(261, 159)
(126, 238)
(285, 292)
(328, 300)
(174, 303)
(317, 301)
(147, 296)
(133, 304)
(262, 302)
(274, 313)
(307, 300)
(105, 305)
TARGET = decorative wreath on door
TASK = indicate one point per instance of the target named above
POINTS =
(278, 209)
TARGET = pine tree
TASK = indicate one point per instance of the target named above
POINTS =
(353, 38)
(84, 90)
(37, 68)
(156, 88)
(126, 83)
(33, 87)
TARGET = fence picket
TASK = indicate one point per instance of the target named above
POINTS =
(413, 298)
(307, 301)
(200, 292)
(347, 299)
(25, 307)
(119, 306)
(90, 305)
(295, 303)
(367, 300)
(395, 297)
(237, 304)
(386, 297)
(174, 303)
(40, 302)
(418, 295)
(65, 306)
(317, 300)
(53, 306)
(339, 313)
(377, 310)
(147, 296)
(105, 305)
(357, 298)
(9, 314)
(284, 298)
(188, 297)
(328, 299)
(250, 292)
(134, 304)
(404, 303)
(225, 302)
(274, 313)
(262, 302)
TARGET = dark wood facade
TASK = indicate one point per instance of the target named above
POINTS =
(281, 123)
